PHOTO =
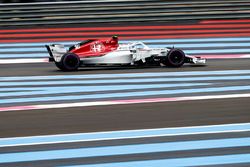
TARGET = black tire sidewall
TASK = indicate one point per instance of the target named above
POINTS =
(169, 58)
(65, 62)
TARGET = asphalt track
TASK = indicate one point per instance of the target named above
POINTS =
(133, 116)
(128, 117)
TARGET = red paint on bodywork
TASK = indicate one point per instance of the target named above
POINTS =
(96, 47)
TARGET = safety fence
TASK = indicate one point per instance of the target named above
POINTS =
(103, 11)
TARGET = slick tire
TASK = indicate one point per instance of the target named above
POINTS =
(174, 58)
(69, 62)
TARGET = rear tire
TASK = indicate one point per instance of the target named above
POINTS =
(69, 62)
(174, 58)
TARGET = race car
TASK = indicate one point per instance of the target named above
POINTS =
(108, 52)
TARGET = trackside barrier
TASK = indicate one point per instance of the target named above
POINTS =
(211, 28)
(103, 11)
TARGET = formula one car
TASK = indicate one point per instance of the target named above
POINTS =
(96, 52)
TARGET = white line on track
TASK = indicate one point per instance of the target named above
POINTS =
(116, 102)
(124, 134)
(17, 61)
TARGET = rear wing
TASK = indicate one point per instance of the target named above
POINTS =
(56, 51)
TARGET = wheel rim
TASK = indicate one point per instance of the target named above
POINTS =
(176, 57)
(71, 61)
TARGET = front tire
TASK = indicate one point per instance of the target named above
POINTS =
(174, 58)
(69, 62)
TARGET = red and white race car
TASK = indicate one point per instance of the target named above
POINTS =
(109, 52)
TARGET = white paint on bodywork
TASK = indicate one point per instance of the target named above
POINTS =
(126, 54)
(58, 51)
(114, 57)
